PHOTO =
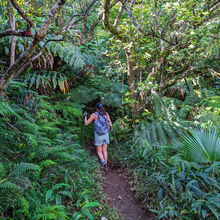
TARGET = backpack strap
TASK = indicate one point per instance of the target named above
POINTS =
(97, 113)
(103, 117)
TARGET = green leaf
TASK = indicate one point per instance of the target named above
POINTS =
(54, 80)
(38, 81)
(66, 193)
(160, 194)
(76, 216)
(48, 195)
(88, 214)
(32, 80)
(91, 204)
(58, 200)
(6, 50)
(59, 185)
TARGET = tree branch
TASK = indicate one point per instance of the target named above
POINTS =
(3, 62)
(139, 29)
(190, 71)
(119, 15)
(93, 26)
(35, 57)
(71, 21)
(134, 22)
(23, 15)
(11, 32)
(108, 26)
(39, 36)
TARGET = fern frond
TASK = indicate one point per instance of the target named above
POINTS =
(158, 132)
(47, 163)
(28, 126)
(53, 150)
(22, 168)
(2, 170)
(10, 186)
(84, 94)
(6, 110)
(23, 181)
(154, 134)
(64, 156)
(25, 205)
(69, 53)
(51, 212)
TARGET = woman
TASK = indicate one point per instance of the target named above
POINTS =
(101, 132)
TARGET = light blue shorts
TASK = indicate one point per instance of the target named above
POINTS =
(101, 139)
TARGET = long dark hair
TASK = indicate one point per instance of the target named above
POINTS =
(100, 108)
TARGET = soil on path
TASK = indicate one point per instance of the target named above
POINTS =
(120, 195)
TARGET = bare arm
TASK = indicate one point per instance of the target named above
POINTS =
(91, 118)
(110, 123)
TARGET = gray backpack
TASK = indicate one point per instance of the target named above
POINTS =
(102, 124)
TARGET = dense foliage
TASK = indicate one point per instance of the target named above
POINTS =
(155, 67)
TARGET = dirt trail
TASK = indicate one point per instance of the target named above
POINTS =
(120, 195)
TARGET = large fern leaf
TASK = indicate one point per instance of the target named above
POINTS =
(22, 168)
(6, 110)
(70, 54)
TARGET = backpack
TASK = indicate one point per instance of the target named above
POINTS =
(101, 124)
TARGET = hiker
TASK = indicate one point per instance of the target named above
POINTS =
(102, 127)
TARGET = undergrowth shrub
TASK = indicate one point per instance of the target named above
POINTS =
(170, 186)
(44, 171)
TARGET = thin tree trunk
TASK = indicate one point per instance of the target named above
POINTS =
(131, 81)
(13, 40)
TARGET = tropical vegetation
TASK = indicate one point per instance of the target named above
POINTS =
(155, 67)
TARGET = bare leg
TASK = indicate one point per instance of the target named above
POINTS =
(104, 151)
(99, 152)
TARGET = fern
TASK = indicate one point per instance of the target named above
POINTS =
(48, 212)
(10, 186)
(28, 126)
(69, 109)
(161, 133)
(24, 182)
(6, 110)
(84, 94)
(191, 99)
(64, 156)
(25, 205)
(2, 170)
(157, 132)
(164, 107)
(113, 97)
(47, 163)
(22, 168)
(69, 53)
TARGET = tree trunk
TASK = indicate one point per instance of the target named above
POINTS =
(13, 40)
(131, 81)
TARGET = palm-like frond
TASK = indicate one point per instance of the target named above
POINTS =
(200, 145)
